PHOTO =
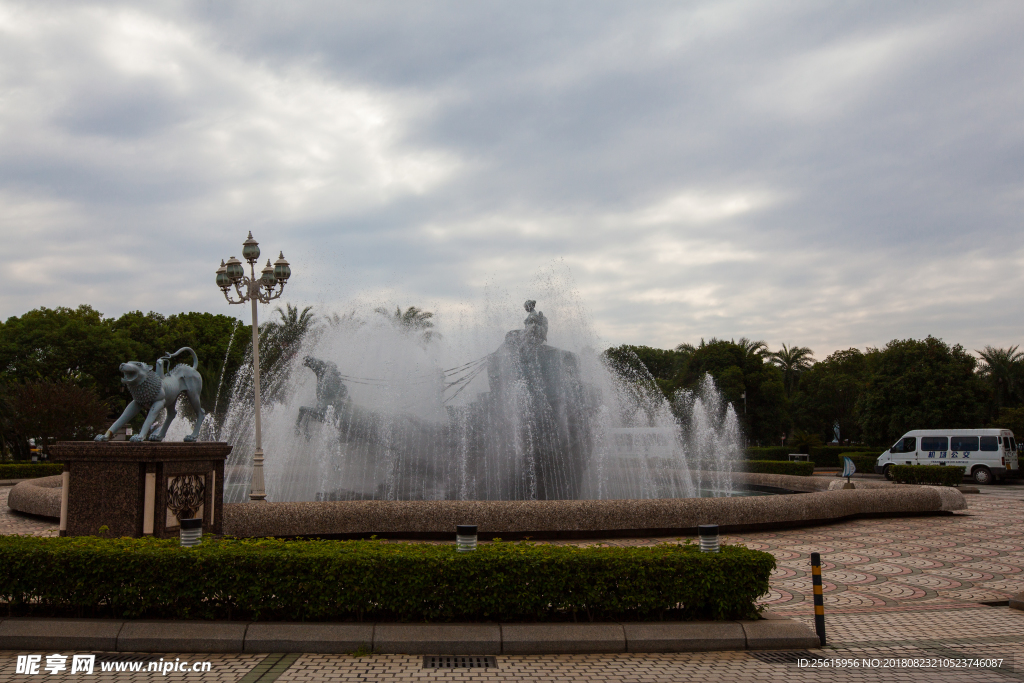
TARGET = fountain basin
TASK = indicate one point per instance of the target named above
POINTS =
(553, 519)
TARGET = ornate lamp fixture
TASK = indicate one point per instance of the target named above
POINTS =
(263, 289)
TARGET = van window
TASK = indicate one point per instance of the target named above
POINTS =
(964, 443)
(990, 443)
(1013, 444)
(934, 443)
(907, 445)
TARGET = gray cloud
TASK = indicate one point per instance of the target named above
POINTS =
(829, 175)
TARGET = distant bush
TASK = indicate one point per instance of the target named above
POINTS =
(801, 469)
(831, 456)
(30, 470)
(932, 475)
(273, 579)
(821, 456)
(769, 453)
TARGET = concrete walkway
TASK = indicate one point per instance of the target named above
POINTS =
(895, 589)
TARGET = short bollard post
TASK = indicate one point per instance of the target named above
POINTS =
(191, 532)
(708, 538)
(819, 598)
(465, 538)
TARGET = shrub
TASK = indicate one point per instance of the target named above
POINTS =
(770, 453)
(832, 456)
(935, 475)
(30, 470)
(802, 469)
(273, 579)
(822, 456)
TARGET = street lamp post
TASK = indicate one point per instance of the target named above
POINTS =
(256, 290)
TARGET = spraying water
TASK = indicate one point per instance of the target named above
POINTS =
(487, 406)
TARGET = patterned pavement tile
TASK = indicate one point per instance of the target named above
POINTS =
(894, 588)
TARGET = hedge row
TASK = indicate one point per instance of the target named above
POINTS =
(822, 456)
(273, 579)
(802, 469)
(30, 470)
(935, 475)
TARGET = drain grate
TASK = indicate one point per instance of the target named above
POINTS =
(459, 662)
(785, 656)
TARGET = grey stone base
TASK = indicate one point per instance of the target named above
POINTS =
(591, 518)
(39, 496)
(111, 635)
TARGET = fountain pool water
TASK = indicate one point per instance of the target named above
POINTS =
(371, 408)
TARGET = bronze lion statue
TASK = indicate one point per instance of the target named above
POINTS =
(153, 391)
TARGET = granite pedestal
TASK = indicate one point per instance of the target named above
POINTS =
(140, 488)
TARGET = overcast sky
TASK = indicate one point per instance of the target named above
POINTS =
(821, 174)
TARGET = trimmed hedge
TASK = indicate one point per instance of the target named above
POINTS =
(273, 579)
(769, 453)
(823, 456)
(932, 475)
(30, 470)
(831, 456)
(801, 469)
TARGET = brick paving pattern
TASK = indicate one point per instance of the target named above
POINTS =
(894, 588)
(26, 525)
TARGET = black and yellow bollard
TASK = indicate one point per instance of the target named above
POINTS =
(819, 598)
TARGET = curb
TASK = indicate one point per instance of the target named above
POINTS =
(110, 635)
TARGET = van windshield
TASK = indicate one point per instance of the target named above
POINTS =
(905, 445)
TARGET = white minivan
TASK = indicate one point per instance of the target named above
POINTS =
(986, 454)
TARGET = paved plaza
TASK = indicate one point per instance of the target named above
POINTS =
(895, 589)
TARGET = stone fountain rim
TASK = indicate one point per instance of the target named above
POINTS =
(819, 503)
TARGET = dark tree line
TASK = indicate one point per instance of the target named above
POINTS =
(875, 395)
(59, 375)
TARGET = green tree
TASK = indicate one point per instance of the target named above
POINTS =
(150, 335)
(280, 339)
(792, 361)
(662, 364)
(1003, 369)
(739, 368)
(829, 391)
(55, 411)
(413, 320)
(59, 344)
(1012, 419)
(919, 384)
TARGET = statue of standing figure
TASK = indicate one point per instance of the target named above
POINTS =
(536, 324)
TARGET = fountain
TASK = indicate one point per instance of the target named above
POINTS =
(370, 409)
(374, 427)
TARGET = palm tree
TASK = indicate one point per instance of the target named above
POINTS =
(792, 361)
(1004, 369)
(412, 320)
(753, 348)
(294, 325)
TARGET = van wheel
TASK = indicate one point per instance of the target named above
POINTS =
(887, 472)
(982, 475)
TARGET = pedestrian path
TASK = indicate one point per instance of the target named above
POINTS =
(904, 591)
